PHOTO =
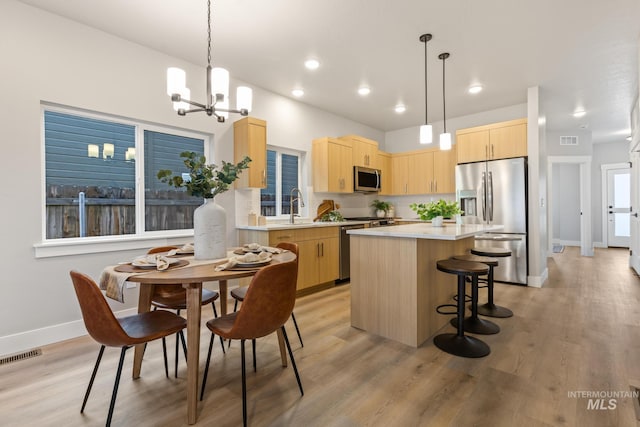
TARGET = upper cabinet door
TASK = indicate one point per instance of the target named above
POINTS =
(250, 139)
(472, 146)
(507, 142)
(496, 141)
(365, 151)
(331, 166)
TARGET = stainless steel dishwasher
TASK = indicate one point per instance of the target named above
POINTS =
(344, 250)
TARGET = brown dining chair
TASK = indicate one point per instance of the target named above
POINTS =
(172, 297)
(125, 332)
(239, 293)
(267, 306)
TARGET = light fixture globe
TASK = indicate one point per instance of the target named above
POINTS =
(445, 137)
(426, 130)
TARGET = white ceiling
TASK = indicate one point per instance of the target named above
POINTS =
(582, 53)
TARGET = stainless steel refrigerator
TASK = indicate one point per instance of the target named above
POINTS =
(495, 192)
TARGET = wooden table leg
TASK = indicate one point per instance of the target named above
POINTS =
(144, 305)
(222, 285)
(194, 298)
(283, 348)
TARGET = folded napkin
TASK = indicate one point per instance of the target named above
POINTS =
(185, 249)
(112, 282)
(161, 262)
(246, 258)
(258, 247)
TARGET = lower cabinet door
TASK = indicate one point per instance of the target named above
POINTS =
(328, 261)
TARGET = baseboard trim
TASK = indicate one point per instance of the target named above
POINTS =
(538, 281)
(27, 340)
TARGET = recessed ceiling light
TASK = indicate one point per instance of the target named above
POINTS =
(311, 64)
(297, 93)
(475, 89)
(579, 113)
(364, 91)
(400, 108)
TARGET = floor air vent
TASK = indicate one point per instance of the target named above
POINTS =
(568, 140)
(20, 356)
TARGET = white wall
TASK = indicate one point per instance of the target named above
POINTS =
(51, 59)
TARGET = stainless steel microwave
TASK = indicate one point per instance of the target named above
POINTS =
(366, 179)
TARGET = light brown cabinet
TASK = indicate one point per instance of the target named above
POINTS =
(428, 171)
(318, 251)
(384, 164)
(250, 139)
(365, 151)
(332, 166)
(491, 142)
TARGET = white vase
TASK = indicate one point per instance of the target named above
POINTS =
(210, 231)
(437, 221)
(380, 213)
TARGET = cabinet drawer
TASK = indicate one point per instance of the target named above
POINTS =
(279, 236)
(318, 233)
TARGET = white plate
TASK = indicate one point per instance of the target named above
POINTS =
(255, 263)
(182, 252)
(148, 264)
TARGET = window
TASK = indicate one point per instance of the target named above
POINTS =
(283, 175)
(92, 164)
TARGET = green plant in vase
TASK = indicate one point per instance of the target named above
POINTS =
(207, 181)
(431, 210)
(381, 207)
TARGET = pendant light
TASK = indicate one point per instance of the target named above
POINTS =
(445, 137)
(426, 130)
(217, 89)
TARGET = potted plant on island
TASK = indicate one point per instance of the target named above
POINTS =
(207, 181)
(382, 208)
(436, 211)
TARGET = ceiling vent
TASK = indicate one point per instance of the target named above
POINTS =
(568, 140)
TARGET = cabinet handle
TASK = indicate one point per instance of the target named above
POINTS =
(492, 154)
(486, 151)
(436, 186)
(406, 188)
(264, 176)
(284, 237)
(318, 249)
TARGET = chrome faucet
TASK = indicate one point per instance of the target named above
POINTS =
(292, 201)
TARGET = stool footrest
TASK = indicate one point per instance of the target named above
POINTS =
(442, 306)
(467, 298)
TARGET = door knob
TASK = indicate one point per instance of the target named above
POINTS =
(635, 214)
(610, 211)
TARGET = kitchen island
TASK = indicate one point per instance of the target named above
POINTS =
(395, 286)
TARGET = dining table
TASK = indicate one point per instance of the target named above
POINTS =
(191, 277)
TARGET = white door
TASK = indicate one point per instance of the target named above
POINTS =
(634, 244)
(618, 207)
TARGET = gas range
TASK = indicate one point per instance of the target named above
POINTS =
(374, 221)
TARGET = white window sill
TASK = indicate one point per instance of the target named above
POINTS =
(92, 245)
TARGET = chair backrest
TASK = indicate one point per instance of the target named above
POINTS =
(291, 247)
(268, 303)
(165, 290)
(98, 318)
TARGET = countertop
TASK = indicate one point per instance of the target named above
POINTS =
(427, 231)
(287, 226)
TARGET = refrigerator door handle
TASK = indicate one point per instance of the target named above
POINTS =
(484, 195)
(490, 196)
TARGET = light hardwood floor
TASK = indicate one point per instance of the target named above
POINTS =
(580, 332)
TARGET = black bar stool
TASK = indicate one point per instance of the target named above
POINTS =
(473, 323)
(490, 309)
(459, 344)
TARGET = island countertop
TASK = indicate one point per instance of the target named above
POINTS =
(428, 231)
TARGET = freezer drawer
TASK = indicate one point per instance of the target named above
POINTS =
(514, 268)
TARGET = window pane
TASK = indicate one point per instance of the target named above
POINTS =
(622, 190)
(622, 223)
(85, 160)
(289, 182)
(168, 208)
(268, 194)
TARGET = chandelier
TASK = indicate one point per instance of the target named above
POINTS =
(217, 89)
